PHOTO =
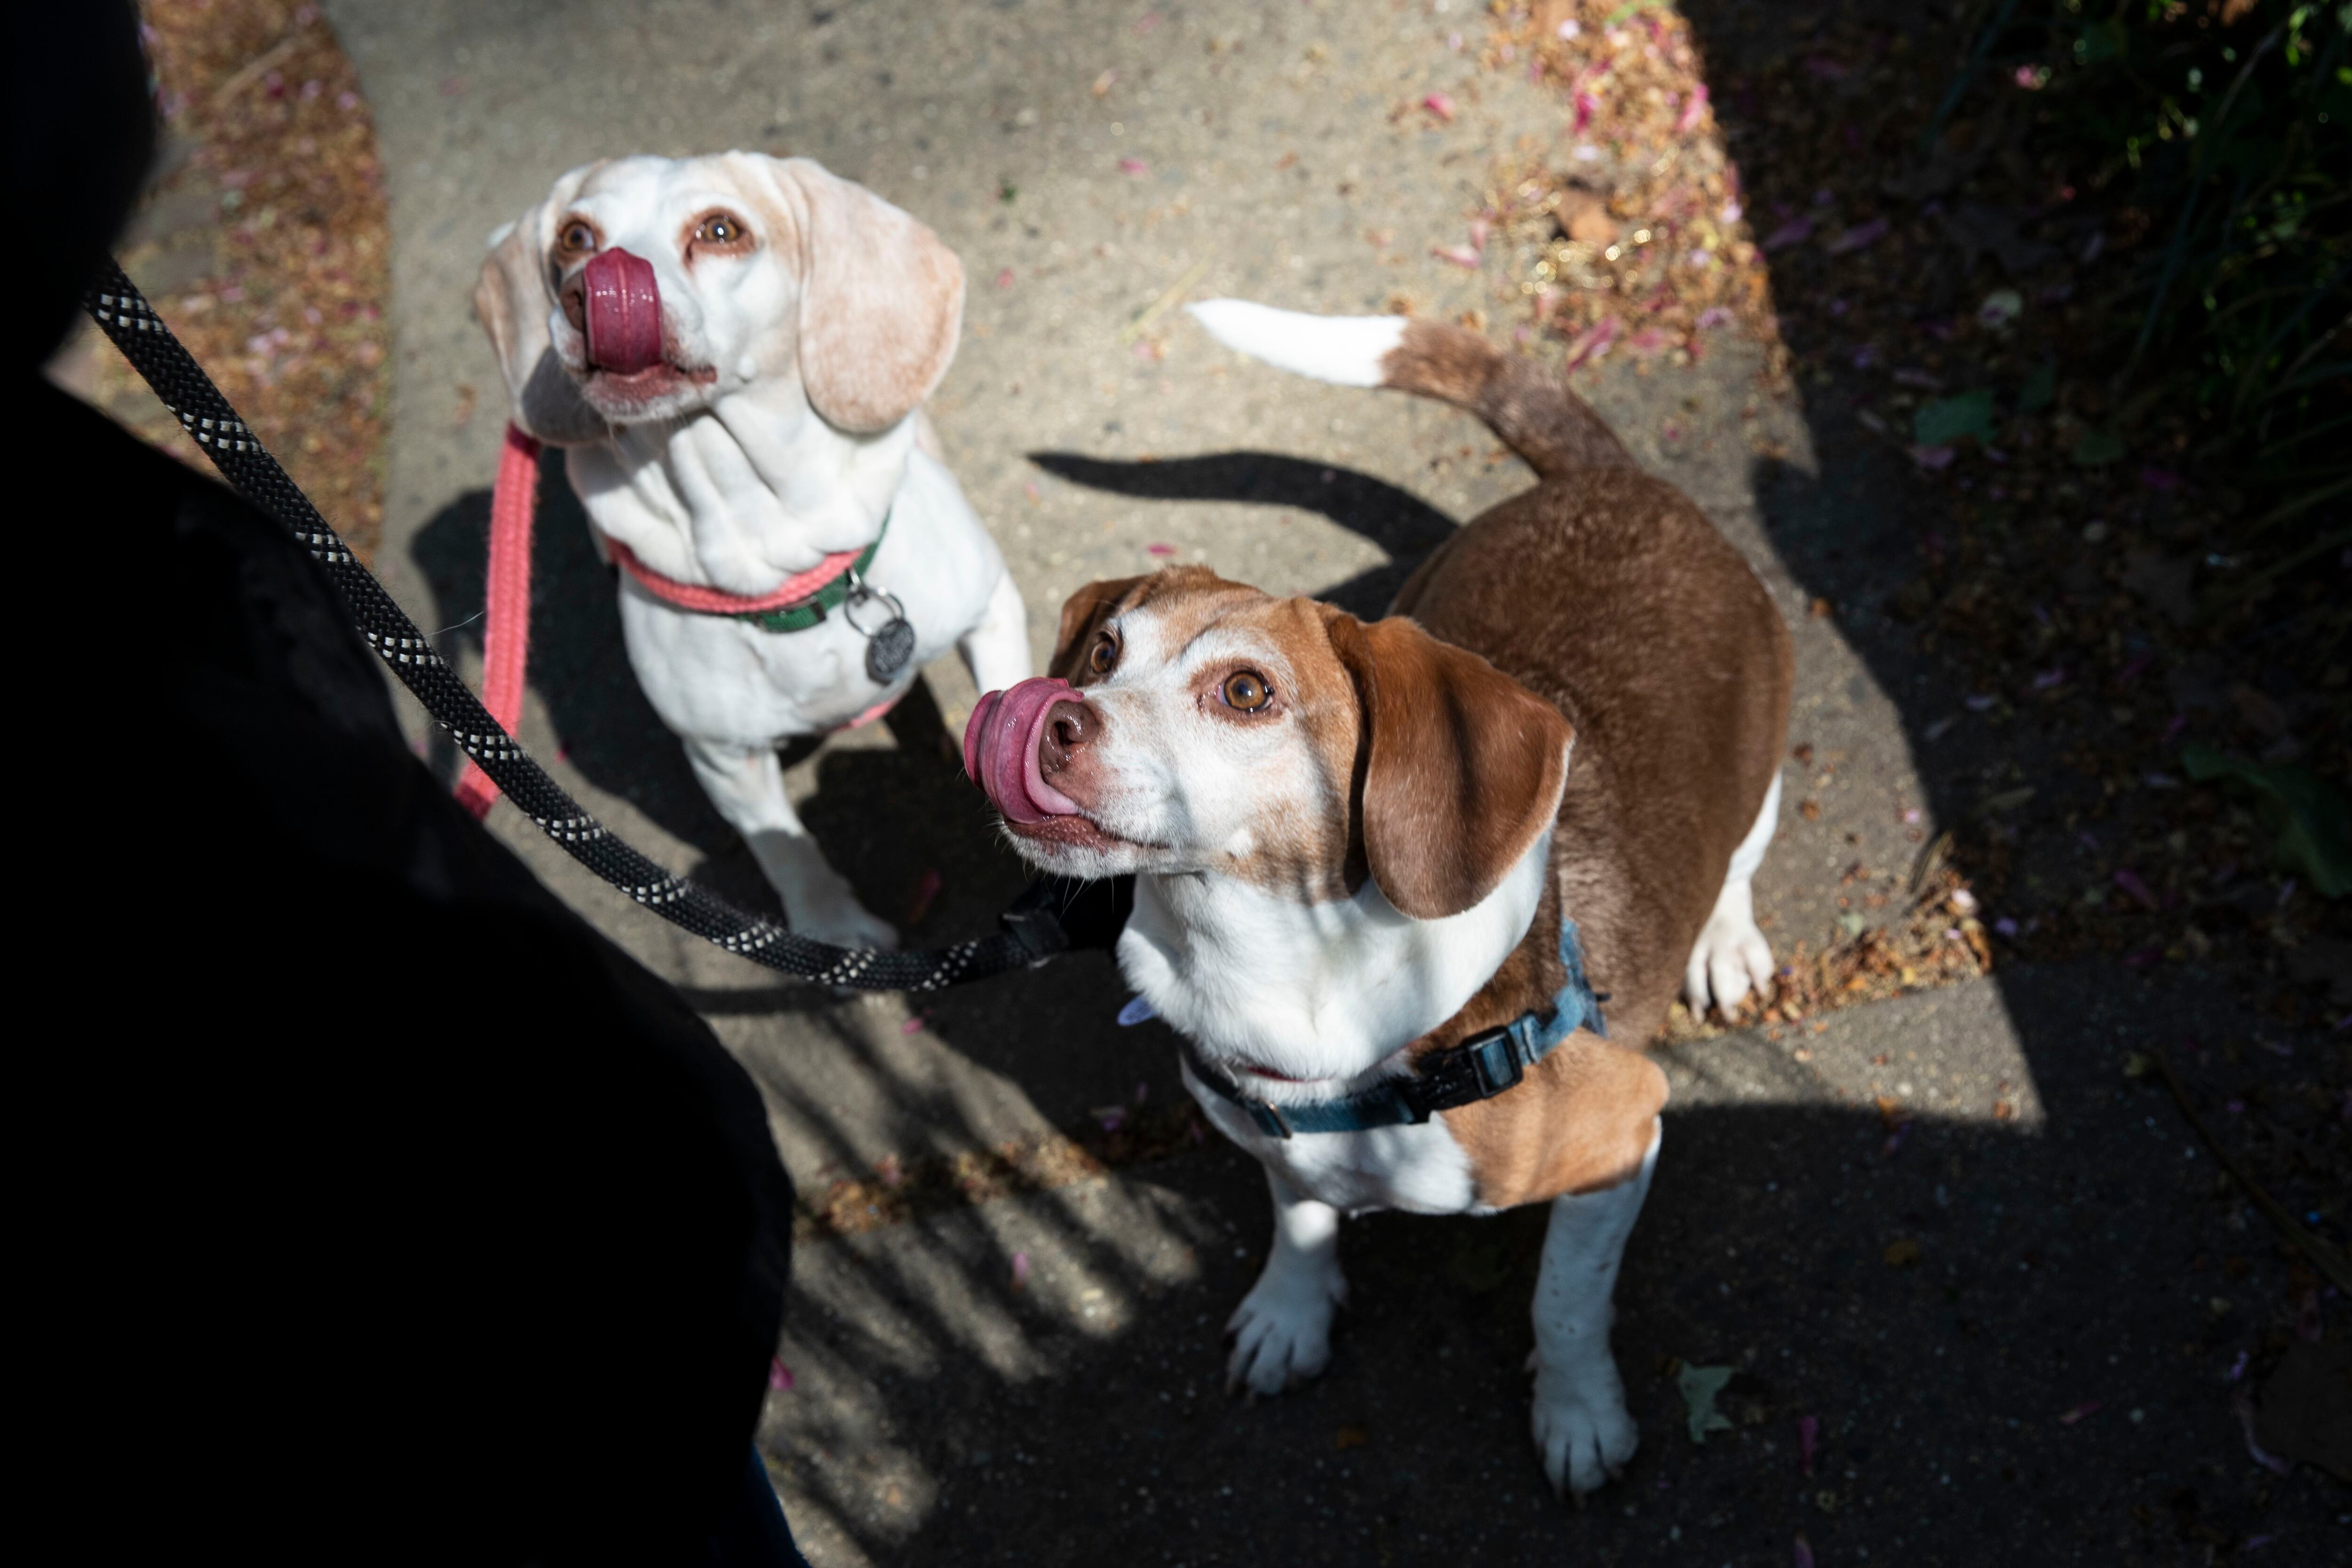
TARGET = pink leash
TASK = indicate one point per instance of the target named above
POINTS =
(506, 630)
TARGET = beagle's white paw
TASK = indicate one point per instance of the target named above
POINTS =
(1731, 957)
(835, 915)
(1582, 1427)
(1282, 1329)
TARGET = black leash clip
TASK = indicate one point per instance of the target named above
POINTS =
(1054, 915)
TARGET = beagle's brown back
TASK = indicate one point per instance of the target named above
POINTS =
(1609, 593)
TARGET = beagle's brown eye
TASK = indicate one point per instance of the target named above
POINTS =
(577, 238)
(721, 229)
(1105, 654)
(1248, 690)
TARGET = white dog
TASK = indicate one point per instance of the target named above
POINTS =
(736, 350)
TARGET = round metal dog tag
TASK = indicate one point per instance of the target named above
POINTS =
(889, 645)
(889, 649)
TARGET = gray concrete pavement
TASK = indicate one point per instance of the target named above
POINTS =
(942, 1415)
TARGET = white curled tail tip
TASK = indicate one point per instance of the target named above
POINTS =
(1347, 350)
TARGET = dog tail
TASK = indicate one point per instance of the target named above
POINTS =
(1528, 407)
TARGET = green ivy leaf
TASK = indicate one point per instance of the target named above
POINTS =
(2297, 804)
(1700, 1385)
(1945, 420)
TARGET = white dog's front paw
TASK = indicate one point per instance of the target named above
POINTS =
(1582, 1428)
(1731, 957)
(1282, 1329)
(839, 918)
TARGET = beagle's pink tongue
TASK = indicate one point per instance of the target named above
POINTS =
(1000, 749)
(622, 304)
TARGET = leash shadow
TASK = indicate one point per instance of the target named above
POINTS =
(1398, 522)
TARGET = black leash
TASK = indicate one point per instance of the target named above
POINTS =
(1052, 917)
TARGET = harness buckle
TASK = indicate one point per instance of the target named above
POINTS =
(1494, 1060)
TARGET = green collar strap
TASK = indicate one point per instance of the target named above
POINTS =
(808, 611)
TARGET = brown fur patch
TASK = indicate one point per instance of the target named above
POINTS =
(1464, 770)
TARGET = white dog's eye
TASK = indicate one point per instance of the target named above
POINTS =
(577, 238)
(722, 231)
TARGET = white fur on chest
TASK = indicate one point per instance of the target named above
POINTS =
(1329, 993)
(742, 495)
(722, 679)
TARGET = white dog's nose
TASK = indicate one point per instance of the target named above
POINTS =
(621, 310)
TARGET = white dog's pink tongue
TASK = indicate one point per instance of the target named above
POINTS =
(1000, 749)
(622, 304)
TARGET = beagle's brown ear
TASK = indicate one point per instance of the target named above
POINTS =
(1083, 613)
(881, 299)
(1463, 766)
(514, 299)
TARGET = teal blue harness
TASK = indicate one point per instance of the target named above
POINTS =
(1480, 1067)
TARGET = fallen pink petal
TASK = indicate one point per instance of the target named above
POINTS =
(1592, 342)
(2089, 1408)
(1133, 166)
(1460, 254)
(1005, 279)
(1440, 105)
(1162, 550)
(1796, 231)
(1688, 120)
(1933, 457)
(779, 1376)
(2128, 880)
(1019, 1269)
(1587, 107)
(1803, 1555)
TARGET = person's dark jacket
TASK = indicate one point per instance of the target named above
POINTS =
(422, 1212)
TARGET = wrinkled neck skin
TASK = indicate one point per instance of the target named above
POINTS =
(1328, 991)
(741, 494)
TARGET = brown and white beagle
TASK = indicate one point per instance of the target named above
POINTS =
(1356, 846)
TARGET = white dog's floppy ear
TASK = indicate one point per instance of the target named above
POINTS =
(1463, 766)
(881, 300)
(514, 299)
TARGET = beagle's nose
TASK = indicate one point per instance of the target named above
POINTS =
(620, 310)
(1070, 724)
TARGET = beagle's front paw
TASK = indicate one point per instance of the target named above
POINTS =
(834, 915)
(1282, 1329)
(1582, 1427)
(1730, 958)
